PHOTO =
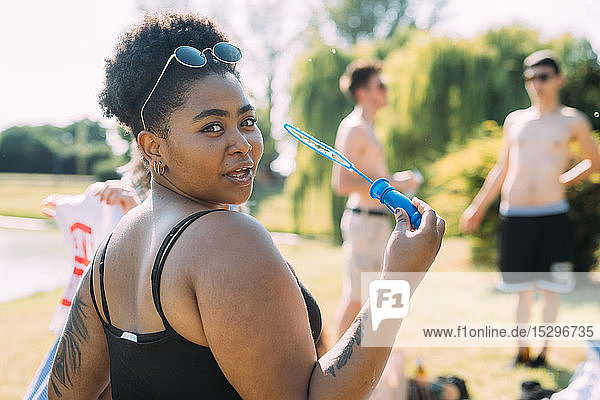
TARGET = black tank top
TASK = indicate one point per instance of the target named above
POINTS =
(165, 365)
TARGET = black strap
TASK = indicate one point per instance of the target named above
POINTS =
(368, 212)
(102, 292)
(91, 273)
(161, 256)
(92, 290)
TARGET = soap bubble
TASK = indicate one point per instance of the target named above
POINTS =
(333, 51)
(597, 114)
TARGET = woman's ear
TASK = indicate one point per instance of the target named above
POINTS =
(149, 145)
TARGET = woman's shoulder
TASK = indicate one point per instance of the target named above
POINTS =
(223, 238)
(231, 224)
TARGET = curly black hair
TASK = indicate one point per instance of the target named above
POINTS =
(139, 58)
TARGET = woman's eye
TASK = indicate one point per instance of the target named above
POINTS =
(212, 128)
(251, 121)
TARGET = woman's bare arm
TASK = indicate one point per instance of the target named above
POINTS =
(81, 366)
(255, 319)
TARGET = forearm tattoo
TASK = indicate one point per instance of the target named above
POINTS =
(349, 348)
(68, 355)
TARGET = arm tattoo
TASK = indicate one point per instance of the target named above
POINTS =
(68, 355)
(347, 351)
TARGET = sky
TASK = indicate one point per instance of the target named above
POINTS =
(52, 52)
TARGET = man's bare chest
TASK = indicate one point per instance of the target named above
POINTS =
(537, 136)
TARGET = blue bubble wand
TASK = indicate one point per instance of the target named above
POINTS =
(380, 189)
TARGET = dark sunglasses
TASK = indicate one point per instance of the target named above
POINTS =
(543, 77)
(194, 58)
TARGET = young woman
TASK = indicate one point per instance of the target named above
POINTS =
(185, 298)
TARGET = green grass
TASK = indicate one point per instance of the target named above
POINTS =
(25, 338)
(273, 207)
(21, 194)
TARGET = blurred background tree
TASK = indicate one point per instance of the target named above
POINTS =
(357, 20)
(79, 148)
(443, 94)
(317, 106)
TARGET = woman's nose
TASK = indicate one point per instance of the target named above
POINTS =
(241, 144)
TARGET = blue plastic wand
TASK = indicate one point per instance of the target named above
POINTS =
(380, 189)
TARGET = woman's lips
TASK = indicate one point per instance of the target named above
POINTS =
(240, 176)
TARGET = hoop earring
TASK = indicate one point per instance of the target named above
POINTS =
(159, 168)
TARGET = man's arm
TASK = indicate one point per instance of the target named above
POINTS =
(582, 132)
(473, 215)
(81, 366)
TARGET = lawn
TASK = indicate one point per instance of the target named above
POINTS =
(21, 194)
(25, 338)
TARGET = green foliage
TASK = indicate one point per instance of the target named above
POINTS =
(75, 149)
(582, 74)
(317, 106)
(106, 168)
(584, 203)
(454, 180)
(264, 173)
(360, 19)
(29, 149)
(440, 91)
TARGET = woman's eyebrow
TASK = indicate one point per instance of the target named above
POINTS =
(245, 109)
(211, 112)
(222, 113)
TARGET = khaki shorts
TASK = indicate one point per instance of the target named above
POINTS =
(365, 238)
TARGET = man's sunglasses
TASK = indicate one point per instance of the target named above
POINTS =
(543, 77)
(194, 58)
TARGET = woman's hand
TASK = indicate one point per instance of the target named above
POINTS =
(115, 192)
(414, 251)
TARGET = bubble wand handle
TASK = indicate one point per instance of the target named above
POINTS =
(380, 189)
(387, 195)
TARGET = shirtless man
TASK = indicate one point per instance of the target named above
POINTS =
(535, 232)
(366, 223)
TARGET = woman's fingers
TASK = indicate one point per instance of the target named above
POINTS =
(429, 218)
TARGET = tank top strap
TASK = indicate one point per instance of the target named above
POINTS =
(161, 256)
(93, 296)
(102, 291)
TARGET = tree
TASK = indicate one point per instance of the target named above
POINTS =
(371, 19)
(29, 149)
(582, 74)
(439, 91)
(75, 149)
(317, 106)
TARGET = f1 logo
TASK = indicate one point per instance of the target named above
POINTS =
(389, 300)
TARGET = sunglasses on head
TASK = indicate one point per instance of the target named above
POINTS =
(193, 58)
(543, 77)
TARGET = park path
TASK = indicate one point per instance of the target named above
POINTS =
(31, 261)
